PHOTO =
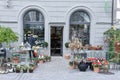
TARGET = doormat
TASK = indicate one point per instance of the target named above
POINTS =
(107, 73)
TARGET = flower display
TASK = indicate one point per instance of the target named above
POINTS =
(96, 63)
(75, 44)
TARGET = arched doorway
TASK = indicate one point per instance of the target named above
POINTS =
(80, 26)
(33, 22)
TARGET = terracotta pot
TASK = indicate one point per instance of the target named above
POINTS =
(96, 69)
(75, 66)
(15, 60)
(67, 56)
(41, 61)
(71, 67)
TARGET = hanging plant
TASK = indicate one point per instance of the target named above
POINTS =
(7, 35)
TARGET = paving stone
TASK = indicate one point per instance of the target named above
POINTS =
(58, 69)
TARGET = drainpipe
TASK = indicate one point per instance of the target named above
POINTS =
(112, 15)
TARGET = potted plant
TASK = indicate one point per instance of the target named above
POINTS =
(15, 58)
(45, 44)
(67, 44)
(18, 69)
(32, 65)
(96, 66)
(71, 65)
(24, 68)
(31, 69)
(7, 35)
(82, 66)
(67, 56)
(48, 58)
(41, 60)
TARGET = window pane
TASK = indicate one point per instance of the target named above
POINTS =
(34, 23)
(118, 3)
(118, 15)
(80, 26)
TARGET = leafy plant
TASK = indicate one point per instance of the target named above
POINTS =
(24, 68)
(71, 63)
(31, 69)
(67, 44)
(45, 44)
(18, 68)
(7, 35)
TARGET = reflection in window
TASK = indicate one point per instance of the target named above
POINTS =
(80, 26)
(34, 23)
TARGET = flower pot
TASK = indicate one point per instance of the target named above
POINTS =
(30, 71)
(41, 61)
(67, 56)
(82, 66)
(15, 60)
(17, 71)
(25, 71)
(96, 69)
(71, 67)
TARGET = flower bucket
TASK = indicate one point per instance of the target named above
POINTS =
(96, 69)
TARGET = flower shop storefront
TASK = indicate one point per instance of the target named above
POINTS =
(57, 22)
(79, 22)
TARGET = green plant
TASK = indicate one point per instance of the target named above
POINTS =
(71, 63)
(17, 68)
(67, 44)
(15, 55)
(110, 55)
(31, 69)
(47, 58)
(45, 44)
(24, 68)
(7, 35)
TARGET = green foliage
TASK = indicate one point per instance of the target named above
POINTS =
(18, 67)
(7, 35)
(15, 55)
(24, 67)
(71, 63)
(117, 33)
(110, 55)
(67, 44)
(45, 44)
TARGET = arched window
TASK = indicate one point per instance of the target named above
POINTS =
(33, 22)
(80, 26)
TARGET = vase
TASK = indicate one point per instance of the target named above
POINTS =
(82, 66)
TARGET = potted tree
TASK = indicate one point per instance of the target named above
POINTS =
(7, 35)
(71, 65)
(67, 55)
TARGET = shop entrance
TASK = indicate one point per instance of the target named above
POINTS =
(56, 41)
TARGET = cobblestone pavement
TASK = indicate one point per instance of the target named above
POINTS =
(58, 69)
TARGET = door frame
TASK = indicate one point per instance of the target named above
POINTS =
(57, 24)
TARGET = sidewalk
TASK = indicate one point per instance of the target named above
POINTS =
(58, 69)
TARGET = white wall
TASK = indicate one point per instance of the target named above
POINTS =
(58, 11)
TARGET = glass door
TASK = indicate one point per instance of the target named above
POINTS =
(56, 40)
